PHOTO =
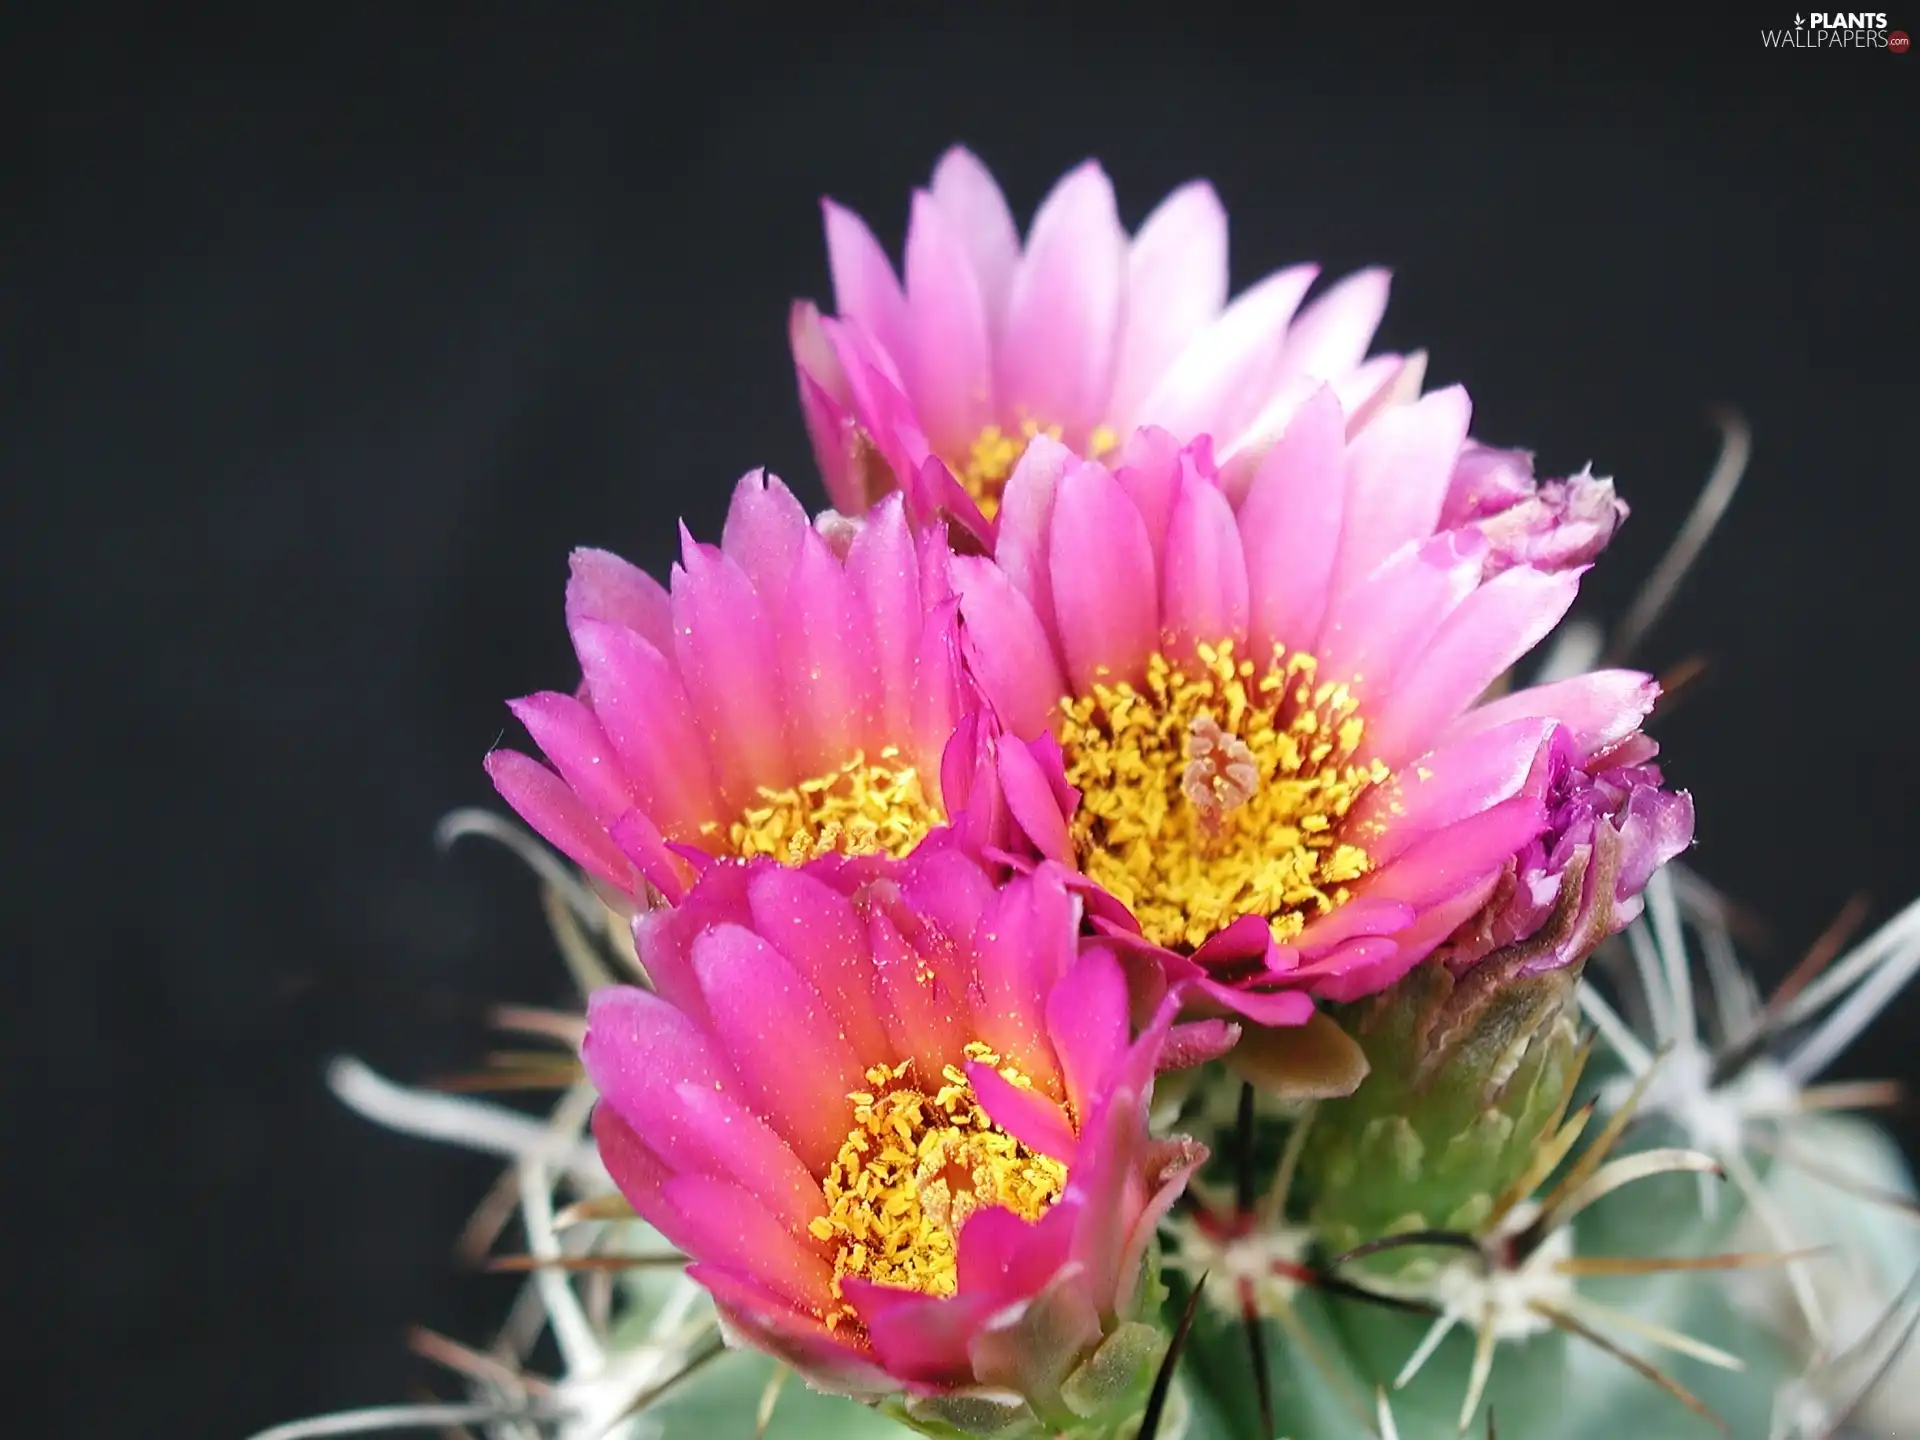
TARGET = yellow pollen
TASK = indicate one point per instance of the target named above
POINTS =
(991, 458)
(915, 1165)
(860, 809)
(1220, 793)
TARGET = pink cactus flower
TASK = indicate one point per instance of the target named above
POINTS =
(784, 696)
(1268, 703)
(936, 383)
(899, 1122)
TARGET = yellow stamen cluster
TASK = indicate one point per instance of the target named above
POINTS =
(914, 1166)
(860, 809)
(1209, 796)
(991, 459)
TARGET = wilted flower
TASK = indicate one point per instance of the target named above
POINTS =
(1610, 825)
(1082, 336)
(899, 1124)
(1267, 705)
(782, 698)
(1550, 525)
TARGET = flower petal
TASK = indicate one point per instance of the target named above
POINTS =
(782, 1039)
(827, 662)
(1103, 580)
(887, 443)
(942, 692)
(1330, 337)
(1362, 967)
(1379, 385)
(1112, 1139)
(1176, 285)
(1378, 630)
(796, 1336)
(1169, 1165)
(1442, 864)
(743, 1148)
(925, 1019)
(1149, 469)
(722, 1224)
(1290, 527)
(865, 289)
(636, 1171)
(1008, 649)
(1032, 1346)
(816, 928)
(839, 445)
(1056, 357)
(602, 586)
(977, 214)
(1007, 1259)
(634, 1038)
(814, 355)
(1026, 520)
(724, 645)
(1361, 917)
(549, 805)
(569, 736)
(1220, 379)
(1242, 451)
(920, 1339)
(652, 854)
(663, 940)
(762, 534)
(949, 364)
(884, 571)
(1028, 1116)
(1087, 1018)
(1031, 796)
(1398, 469)
(1600, 708)
(1205, 574)
(1024, 943)
(1492, 628)
(954, 893)
(639, 701)
(1440, 789)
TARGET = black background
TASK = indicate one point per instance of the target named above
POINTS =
(323, 341)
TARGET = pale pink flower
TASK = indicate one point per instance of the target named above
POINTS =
(935, 384)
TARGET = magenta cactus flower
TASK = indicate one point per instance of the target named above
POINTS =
(936, 381)
(898, 1120)
(786, 695)
(1267, 704)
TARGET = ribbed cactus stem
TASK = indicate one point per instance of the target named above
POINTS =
(1465, 1080)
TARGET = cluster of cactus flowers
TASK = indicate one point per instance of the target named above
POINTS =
(1087, 937)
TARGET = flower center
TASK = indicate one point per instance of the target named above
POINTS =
(863, 808)
(1217, 794)
(914, 1167)
(991, 458)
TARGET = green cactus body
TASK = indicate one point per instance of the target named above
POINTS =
(1464, 1083)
